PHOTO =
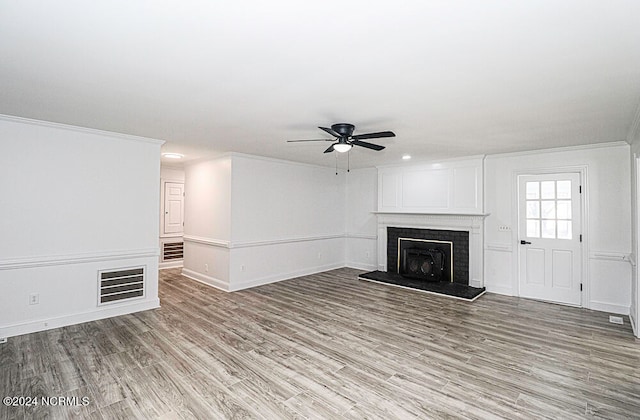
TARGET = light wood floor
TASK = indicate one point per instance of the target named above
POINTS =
(329, 346)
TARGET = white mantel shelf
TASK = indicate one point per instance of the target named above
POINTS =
(472, 223)
(483, 215)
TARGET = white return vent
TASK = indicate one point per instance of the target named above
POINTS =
(116, 286)
(172, 251)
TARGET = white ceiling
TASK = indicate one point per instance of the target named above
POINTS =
(450, 78)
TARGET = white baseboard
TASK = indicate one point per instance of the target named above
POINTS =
(72, 319)
(500, 290)
(170, 264)
(361, 266)
(609, 307)
(634, 326)
(475, 283)
(284, 276)
(204, 279)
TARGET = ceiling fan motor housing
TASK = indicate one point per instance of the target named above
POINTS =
(344, 129)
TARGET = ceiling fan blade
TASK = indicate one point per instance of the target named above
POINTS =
(330, 149)
(330, 131)
(296, 141)
(367, 145)
(374, 135)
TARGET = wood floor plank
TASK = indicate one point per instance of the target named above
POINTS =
(330, 346)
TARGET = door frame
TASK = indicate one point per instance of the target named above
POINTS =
(583, 171)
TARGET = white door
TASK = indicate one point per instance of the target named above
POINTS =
(550, 256)
(173, 207)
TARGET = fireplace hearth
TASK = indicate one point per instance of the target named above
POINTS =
(430, 260)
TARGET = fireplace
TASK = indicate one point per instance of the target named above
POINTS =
(467, 241)
(427, 260)
(432, 253)
(441, 254)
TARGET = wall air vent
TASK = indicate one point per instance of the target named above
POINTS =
(172, 251)
(124, 284)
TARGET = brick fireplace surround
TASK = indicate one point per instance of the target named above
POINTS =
(474, 224)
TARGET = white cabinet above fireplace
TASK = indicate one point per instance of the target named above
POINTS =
(450, 187)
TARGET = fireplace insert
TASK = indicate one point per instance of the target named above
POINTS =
(424, 264)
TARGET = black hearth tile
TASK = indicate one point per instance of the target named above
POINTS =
(444, 288)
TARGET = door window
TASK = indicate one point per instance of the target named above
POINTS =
(548, 209)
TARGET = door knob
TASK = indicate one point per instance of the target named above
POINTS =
(525, 243)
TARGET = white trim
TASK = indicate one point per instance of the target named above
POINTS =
(62, 321)
(207, 241)
(634, 327)
(360, 236)
(275, 160)
(255, 157)
(170, 264)
(500, 290)
(49, 260)
(249, 244)
(204, 279)
(423, 291)
(281, 277)
(634, 128)
(422, 162)
(610, 256)
(499, 247)
(361, 266)
(169, 236)
(85, 130)
(475, 283)
(632, 260)
(450, 214)
(609, 307)
(560, 149)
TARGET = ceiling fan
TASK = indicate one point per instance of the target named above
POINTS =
(344, 139)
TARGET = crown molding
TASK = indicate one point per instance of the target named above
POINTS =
(560, 149)
(423, 162)
(634, 130)
(77, 129)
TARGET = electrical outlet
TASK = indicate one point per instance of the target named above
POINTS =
(242, 267)
(368, 254)
(616, 319)
(34, 299)
(504, 228)
(206, 268)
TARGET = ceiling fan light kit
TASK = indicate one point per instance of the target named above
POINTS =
(342, 147)
(344, 139)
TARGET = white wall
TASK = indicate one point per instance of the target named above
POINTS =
(287, 220)
(74, 201)
(361, 222)
(634, 312)
(252, 220)
(607, 220)
(171, 174)
(207, 221)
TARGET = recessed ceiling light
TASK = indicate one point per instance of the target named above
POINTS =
(173, 155)
(406, 157)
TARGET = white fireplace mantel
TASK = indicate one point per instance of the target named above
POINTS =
(472, 223)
